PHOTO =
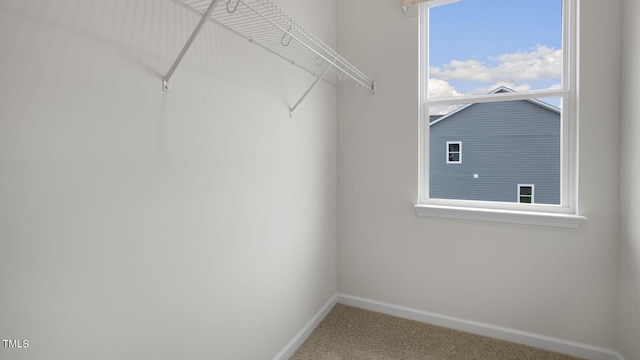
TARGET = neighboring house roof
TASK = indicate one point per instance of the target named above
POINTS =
(434, 119)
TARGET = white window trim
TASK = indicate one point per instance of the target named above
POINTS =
(459, 152)
(533, 192)
(563, 215)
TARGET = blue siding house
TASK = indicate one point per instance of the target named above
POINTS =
(501, 151)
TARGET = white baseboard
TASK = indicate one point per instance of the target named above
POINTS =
(516, 336)
(306, 330)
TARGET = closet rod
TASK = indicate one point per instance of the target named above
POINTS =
(196, 31)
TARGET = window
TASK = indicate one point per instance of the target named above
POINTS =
(499, 76)
(454, 152)
(526, 193)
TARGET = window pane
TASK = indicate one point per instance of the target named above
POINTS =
(477, 45)
(525, 199)
(506, 143)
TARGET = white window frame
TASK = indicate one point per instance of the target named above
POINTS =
(563, 215)
(533, 192)
(448, 152)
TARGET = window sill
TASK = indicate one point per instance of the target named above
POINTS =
(503, 216)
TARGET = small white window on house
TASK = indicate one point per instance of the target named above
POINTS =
(526, 193)
(454, 152)
(500, 75)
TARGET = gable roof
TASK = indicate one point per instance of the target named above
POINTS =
(501, 89)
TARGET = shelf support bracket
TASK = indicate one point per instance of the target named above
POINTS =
(196, 31)
(291, 110)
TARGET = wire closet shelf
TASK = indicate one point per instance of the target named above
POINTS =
(262, 22)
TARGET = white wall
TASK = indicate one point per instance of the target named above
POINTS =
(556, 282)
(629, 263)
(139, 224)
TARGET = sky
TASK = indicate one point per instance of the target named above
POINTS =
(477, 45)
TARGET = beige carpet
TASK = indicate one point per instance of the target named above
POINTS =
(348, 333)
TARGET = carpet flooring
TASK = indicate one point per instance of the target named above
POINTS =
(349, 333)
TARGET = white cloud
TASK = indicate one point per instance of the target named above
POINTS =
(468, 70)
(441, 88)
(543, 62)
(514, 70)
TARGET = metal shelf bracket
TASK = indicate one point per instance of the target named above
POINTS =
(292, 109)
(165, 81)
